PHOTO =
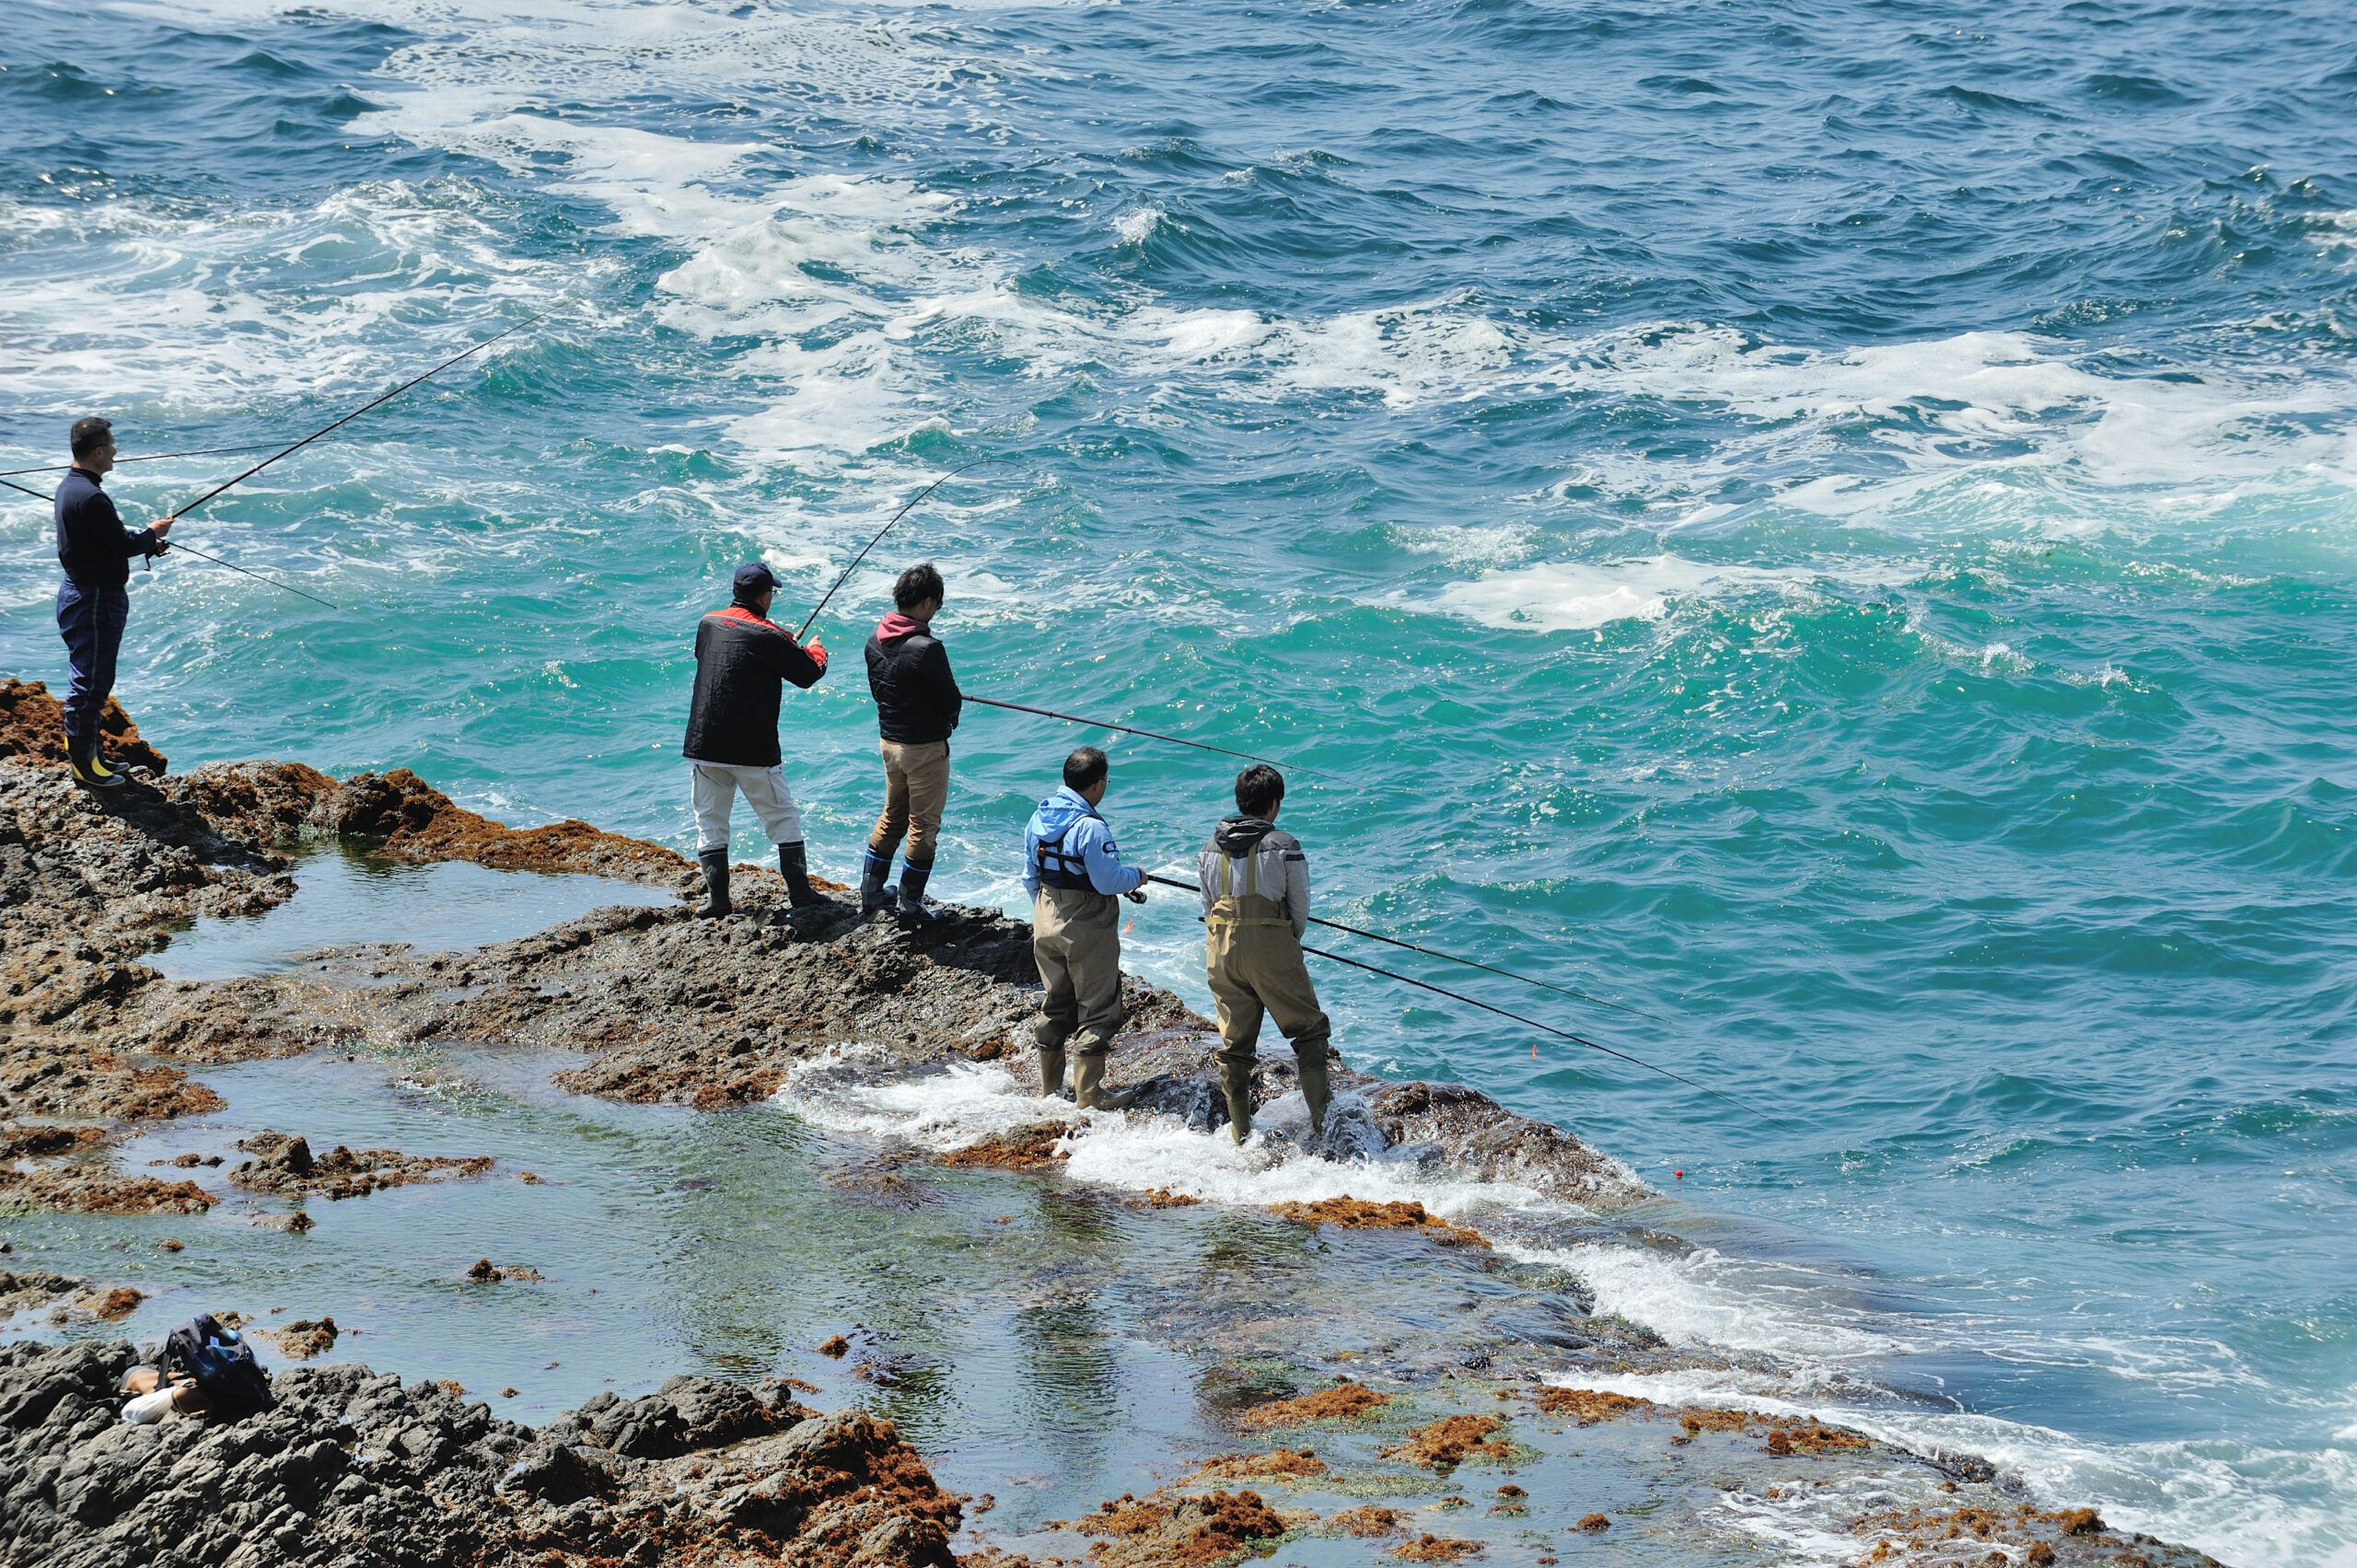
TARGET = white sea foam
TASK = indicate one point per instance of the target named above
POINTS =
(2198, 1493)
(1575, 596)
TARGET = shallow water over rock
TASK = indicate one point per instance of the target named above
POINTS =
(347, 896)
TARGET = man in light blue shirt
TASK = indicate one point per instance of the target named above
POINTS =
(1073, 870)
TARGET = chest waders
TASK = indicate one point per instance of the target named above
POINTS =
(1245, 985)
(1077, 943)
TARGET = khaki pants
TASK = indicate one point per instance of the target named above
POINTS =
(1255, 970)
(1076, 941)
(916, 787)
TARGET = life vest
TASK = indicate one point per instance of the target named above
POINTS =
(1060, 868)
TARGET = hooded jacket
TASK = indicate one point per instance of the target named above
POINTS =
(917, 700)
(92, 544)
(742, 663)
(1263, 872)
(1074, 834)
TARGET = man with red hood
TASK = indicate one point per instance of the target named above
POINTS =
(917, 705)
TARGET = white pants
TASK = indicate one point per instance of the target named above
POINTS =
(716, 784)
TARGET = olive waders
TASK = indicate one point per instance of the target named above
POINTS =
(1252, 958)
(1076, 941)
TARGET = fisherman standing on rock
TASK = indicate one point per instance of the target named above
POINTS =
(1255, 906)
(1073, 870)
(742, 661)
(93, 603)
(917, 705)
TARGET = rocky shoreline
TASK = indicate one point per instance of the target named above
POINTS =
(659, 1008)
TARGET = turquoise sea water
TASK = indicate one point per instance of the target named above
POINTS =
(1832, 525)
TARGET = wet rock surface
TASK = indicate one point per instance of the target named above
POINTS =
(666, 1008)
(350, 1468)
(284, 1164)
(670, 1009)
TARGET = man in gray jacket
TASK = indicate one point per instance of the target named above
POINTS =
(1256, 907)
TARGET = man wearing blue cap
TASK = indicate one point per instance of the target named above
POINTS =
(742, 662)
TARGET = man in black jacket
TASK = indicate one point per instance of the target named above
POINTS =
(92, 604)
(742, 661)
(917, 705)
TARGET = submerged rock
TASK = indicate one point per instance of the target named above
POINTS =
(284, 1164)
(350, 1468)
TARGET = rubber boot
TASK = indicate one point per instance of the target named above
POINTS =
(793, 860)
(1313, 1090)
(1051, 1071)
(715, 883)
(1089, 1090)
(913, 880)
(873, 895)
(82, 756)
(1236, 1083)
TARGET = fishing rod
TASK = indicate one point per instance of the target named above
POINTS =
(888, 527)
(355, 413)
(151, 458)
(233, 566)
(1150, 735)
(1432, 953)
(1566, 1034)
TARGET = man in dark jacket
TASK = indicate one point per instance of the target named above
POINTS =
(917, 705)
(742, 661)
(93, 607)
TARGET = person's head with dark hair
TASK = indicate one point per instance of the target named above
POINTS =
(917, 593)
(1083, 770)
(93, 440)
(1260, 789)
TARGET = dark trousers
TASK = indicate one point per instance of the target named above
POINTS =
(91, 620)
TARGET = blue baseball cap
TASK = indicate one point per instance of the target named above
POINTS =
(754, 576)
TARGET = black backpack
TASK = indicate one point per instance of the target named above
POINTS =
(233, 1383)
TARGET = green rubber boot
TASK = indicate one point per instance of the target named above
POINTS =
(1315, 1091)
(1089, 1090)
(1051, 1071)
(1236, 1083)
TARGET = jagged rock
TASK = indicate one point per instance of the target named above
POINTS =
(351, 1468)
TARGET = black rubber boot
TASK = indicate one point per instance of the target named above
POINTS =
(873, 895)
(715, 883)
(1236, 1083)
(793, 860)
(82, 756)
(913, 880)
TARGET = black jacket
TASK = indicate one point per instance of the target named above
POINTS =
(741, 662)
(917, 700)
(92, 544)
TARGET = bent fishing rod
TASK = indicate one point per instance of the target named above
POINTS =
(1150, 735)
(1434, 953)
(888, 527)
(150, 458)
(1549, 1028)
(233, 566)
(355, 413)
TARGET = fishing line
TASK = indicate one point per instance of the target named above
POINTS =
(1566, 1034)
(1150, 735)
(355, 413)
(151, 458)
(888, 527)
(1434, 953)
(233, 566)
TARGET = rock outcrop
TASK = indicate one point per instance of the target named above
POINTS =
(351, 1469)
